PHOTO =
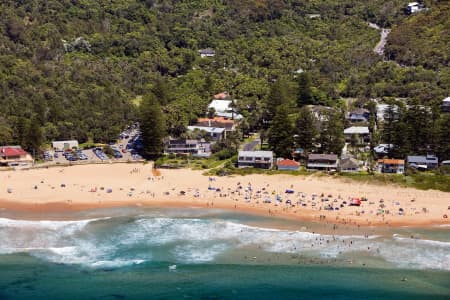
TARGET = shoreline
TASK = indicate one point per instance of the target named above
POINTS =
(40, 192)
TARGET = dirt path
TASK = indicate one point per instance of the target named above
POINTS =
(379, 48)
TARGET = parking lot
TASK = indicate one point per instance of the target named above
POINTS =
(126, 148)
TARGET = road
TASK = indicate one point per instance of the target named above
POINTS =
(250, 146)
(379, 48)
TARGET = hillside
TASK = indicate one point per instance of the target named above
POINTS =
(71, 69)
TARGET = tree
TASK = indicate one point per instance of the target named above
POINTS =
(442, 133)
(332, 133)
(391, 117)
(305, 129)
(34, 135)
(305, 93)
(153, 126)
(281, 133)
(161, 90)
(278, 95)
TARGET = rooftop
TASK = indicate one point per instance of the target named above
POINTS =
(288, 163)
(207, 129)
(8, 151)
(220, 105)
(256, 153)
(391, 161)
(422, 159)
(322, 157)
(357, 130)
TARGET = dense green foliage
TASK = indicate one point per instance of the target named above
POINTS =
(74, 69)
(153, 126)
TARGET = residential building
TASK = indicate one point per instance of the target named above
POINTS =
(215, 133)
(224, 108)
(423, 162)
(219, 122)
(255, 159)
(361, 132)
(445, 107)
(65, 145)
(414, 7)
(381, 109)
(14, 156)
(222, 96)
(445, 163)
(208, 52)
(358, 115)
(288, 165)
(199, 148)
(388, 165)
(322, 162)
(348, 164)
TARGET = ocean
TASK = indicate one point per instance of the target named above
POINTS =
(138, 253)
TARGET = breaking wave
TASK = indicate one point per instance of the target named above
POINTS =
(126, 241)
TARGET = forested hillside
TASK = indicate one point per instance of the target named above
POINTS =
(77, 68)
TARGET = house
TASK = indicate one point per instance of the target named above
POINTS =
(358, 115)
(445, 107)
(422, 162)
(382, 108)
(208, 52)
(320, 112)
(224, 108)
(215, 133)
(361, 132)
(15, 156)
(288, 165)
(388, 165)
(219, 122)
(64, 145)
(322, 162)
(255, 159)
(348, 164)
(383, 149)
(199, 148)
(445, 163)
(414, 7)
(221, 96)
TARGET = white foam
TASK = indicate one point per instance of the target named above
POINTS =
(200, 240)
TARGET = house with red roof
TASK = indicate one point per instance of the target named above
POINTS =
(288, 165)
(14, 156)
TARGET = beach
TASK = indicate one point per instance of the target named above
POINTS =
(304, 198)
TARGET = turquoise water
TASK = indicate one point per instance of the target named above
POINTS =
(199, 254)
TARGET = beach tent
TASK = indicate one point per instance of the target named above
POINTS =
(355, 202)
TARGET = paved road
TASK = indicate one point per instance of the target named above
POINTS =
(250, 146)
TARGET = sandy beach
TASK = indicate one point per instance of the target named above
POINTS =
(313, 197)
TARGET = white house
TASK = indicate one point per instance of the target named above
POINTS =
(256, 159)
(216, 133)
(208, 52)
(64, 145)
(223, 108)
(361, 132)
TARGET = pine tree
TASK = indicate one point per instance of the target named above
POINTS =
(305, 129)
(281, 133)
(34, 135)
(153, 126)
(305, 94)
(278, 95)
(332, 133)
